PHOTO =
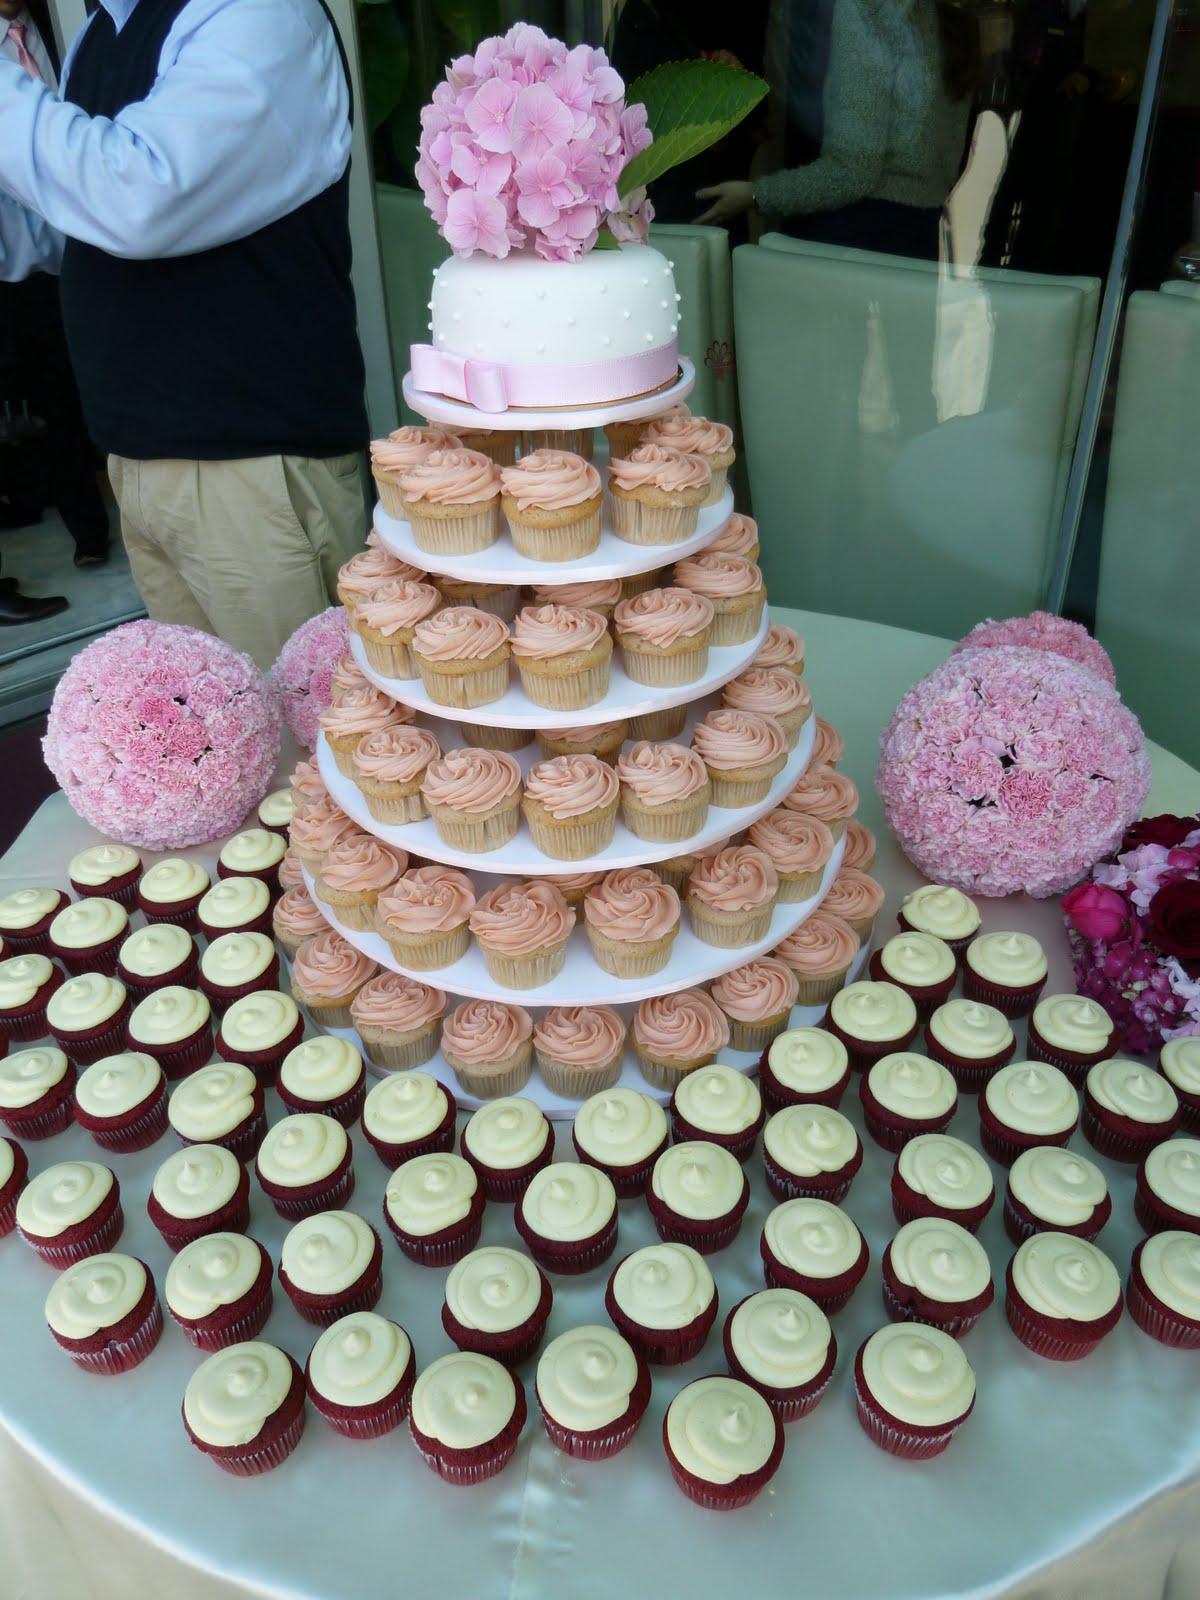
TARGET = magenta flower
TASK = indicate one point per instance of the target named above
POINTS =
(476, 222)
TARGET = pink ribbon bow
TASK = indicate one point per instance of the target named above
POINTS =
(480, 383)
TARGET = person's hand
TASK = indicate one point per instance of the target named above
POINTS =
(728, 200)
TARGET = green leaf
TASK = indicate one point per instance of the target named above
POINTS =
(605, 241)
(690, 105)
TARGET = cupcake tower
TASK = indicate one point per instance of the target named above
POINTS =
(569, 763)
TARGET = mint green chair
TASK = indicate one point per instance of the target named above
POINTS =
(410, 247)
(908, 430)
(703, 281)
(1146, 605)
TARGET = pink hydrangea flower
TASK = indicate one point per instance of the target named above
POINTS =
(162, 736)
(302, 676)
(1042, 630)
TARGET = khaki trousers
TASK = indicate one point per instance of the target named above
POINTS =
(246, 549)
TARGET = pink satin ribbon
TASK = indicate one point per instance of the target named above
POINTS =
(494, 386)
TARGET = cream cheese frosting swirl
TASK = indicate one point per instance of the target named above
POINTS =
(1012, 959)
(918, 1374)
(757, 990)
(1172, 1170)
(795, 844)
(173, 880)
(717, 575)
(275, 809)
(328, 1253)
(819, 945)
(620, 1127)
(661, 774)
(572, 786)
(62, 1196)
(729, 740)
(197, 1181)
(718, 1099)
(771, 691)
(810, 1140)
(23, 907)
(20, 979)
(1180, 1060)
(236, 901)
(541, 632)
(917, 960)
(808, 1060)
(813, 1237)
(1060, 1276)
(940, 1260)
(739, 537)
(664, 1286)
(780, 1338)
(719, 1429)
(1032, 1098)
(253, 850)
(211, 1103)
(95, 1294)
(686, 1025)
(737, 878)
(550, 480)
(493, 1289)
(1128, 1089)
(302, 1149)
(360, 862)
(698, 1180)
(430, 1193)
(432, 899)
(482, 1031)
(1170, 1266)
(1057, 1186)
(404, 1107)
(662, 617)
(912, 1086)
(396, 754)
(117, 1084)
(970, 1029)
(824, 792)
(459, 633)
(463, 1400)
(519, 918)
(392, 1001)
(452, 477)
(632, 905)
(212, 1272)
(584, 1036)
(101, 864)
(585, 1378)
(84, 1002)
(946, 1171)
(1073, 1022)
(568, 1202)
(507, 1133)
(93, 921)
(938, 909)
(873, 1011)
(471, 779)
(237, 958)
(231, 1397)
(360, 1360)
(322, 1070)
(656, 466)
(328, 967)
(405, 447)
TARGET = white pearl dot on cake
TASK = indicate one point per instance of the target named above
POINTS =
(456, 316)
(649, 338)
(645, 282)
(627, 315)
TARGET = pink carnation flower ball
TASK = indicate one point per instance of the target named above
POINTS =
(302, 676)
(1042, 630)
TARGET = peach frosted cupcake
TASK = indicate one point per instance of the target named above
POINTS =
(631, 918)
(362, 573)
(452, 501)
(655, 725)
(522, 931)
(731, 895)
(672, 1034)
(462, 655)
(315, 829)
(758, 999)
(354, 874)
(489, 1045)
(403, 448)
(497, 444)
(665, 791)
(860, 846)
(828, 745)
(603, 739)
(424, 916)
(357, 713)
(735, 587)
(326, 975)
(574, 885)
(656, 494)
(388, 766)
(570, 806)
(579, 1049)
(503, 600)
(856, 898)
(384, 620)
(563, 655)
(739, 537)
(743, 751)
(307, 785)
(295, 919)
(474, 798)
(799, 848)
(826, 794)
(783, 647)
(664, 634)
(820, 952)
(697, 436)
(551, 501)
(602, 595)
(772, 692)
(399, 1020)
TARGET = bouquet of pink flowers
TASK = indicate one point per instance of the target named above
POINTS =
(302, 676)
(1134, 926)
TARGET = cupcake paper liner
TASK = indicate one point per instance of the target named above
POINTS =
(1155, 1218)
(494, 1079)
(896, 1439)
(324, 1316)
(55, 1119)
(756, 1035)
(368, 1422)
(97, 1242)
(1157, 1319)
(176, 1233)
(86, 1051)
(734, 793)
(831, 1294)
(667, 824)
(656, 725)
(661, 1073)
(1001, 1147)
(346, 1109)
(584, 836)
(1075, 1065)
(506, 1185)
(400, 1052)
(1043, 1341)
(426, 952)
(218, 1337)
(244, 1140)
(1117, 1146)
(630, 1181)
(397, 808)
(740, 1145)
(599, 1444)
(663, 1347)
(567, 691)
(789, 1405)
(1012, 1002)
(181, 1062)
(470, 531)
(334, 1198)
(569, 1259)
(731, 930)
(576, 1082)
(832, 1186)
(140, 1135)
(122, 1355)
(956, 1324)
(662, 669)
(738, 626)
(707, 1234)
(801, 886)
(630, 959)
(478, 834)
(525, 972)
(464, 690)
(819, 991)
(565, 541)
(776, 1095)
(492, 738)
(635, 522)
(444, 1248)
(1020, 1223)
(251, 1463)
(907, 1206)
(389, 656)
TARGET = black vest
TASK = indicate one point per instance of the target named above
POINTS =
(248, 349)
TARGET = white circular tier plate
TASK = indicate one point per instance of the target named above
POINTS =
(559, 1109)
(503, 563)
(581, 981)
(623, 698)
(521, 856)
(440, 408)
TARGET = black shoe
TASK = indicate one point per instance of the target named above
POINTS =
(16, 607)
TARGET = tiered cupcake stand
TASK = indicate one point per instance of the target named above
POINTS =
(581, 980)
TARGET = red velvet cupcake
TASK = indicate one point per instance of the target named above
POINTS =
(244, 1408)
(434, 1206)
(159, 956)
(26, 984)
(122, 1102)
(200, 1190)
(937, 1176)
(1168, 1187)
(944, 912)
(254, 853)
(276, 810)
(1056, 1191)
(360, 1375)
(1179, 1063)
(174, 1025)
(871, 1020)
(913, 1389)
(811, 1150)
(1164, 1289)
(723, 1442)
(70, 1211)
(324, 1074)
(238, 964)
(1005, 970)
(1064, 1296)
(623, 1132)
(25, 918)
(14, 1173)
(1072, 1033)
(697, 1195)
(592, 1389)
(922, 965)
(109, 870)
(87, 936)
(813, 1247)
(662, 1298)
(720, 1104)
(802, 1067)
(37, 1092)
(1024, 1105)
(905, 1095)
(331, 1265)
(935, 1272)
(87, 1017)
(235, 905)
(507, 1141)
(780, 1343)
(1128, 1109)
(466, 1417)
(218, 1289)
(497, 1304)
(105, 1314)
(567, 1217)
(972, 1039)
(304, 1165)
(222, 1104)
(259, 1031)
(409, 1114)
(171, 890)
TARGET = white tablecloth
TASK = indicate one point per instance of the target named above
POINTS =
(1066, 1481)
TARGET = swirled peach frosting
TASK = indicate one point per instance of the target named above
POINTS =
(664, 616)
(486, 1030)
(661, 774)
(296, 913)
(758, 990)
(291, 871)
(739, 537)
(553, 630)
(738, 878)
(347, 674)
(363, 572)
(360, 862)
(781, 648)
(688, 1024)
(585, 1036)
(729, 740)
(455, 477)
(328, 967)
(854, 896)
(404, 447)
(771, 691)
(796, 844)
(633, 906)
(307, 781)
(359, 711)
(391, 1000)
(824, 792)
(603, 592)
(574, 882)
(432, 899)
(396, 755)
(571, 786)
(860, 846)
(459, 633)
(550, 480)
(318, 827)
(471, 779)
(582, 734)
(695, 436)
(397, 603)
(516, 919)
(820, 945)
(657, 466)
(720, 576)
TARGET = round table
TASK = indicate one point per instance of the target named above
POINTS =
(1051, 1489)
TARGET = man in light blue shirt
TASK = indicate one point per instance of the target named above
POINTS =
(192, 189)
